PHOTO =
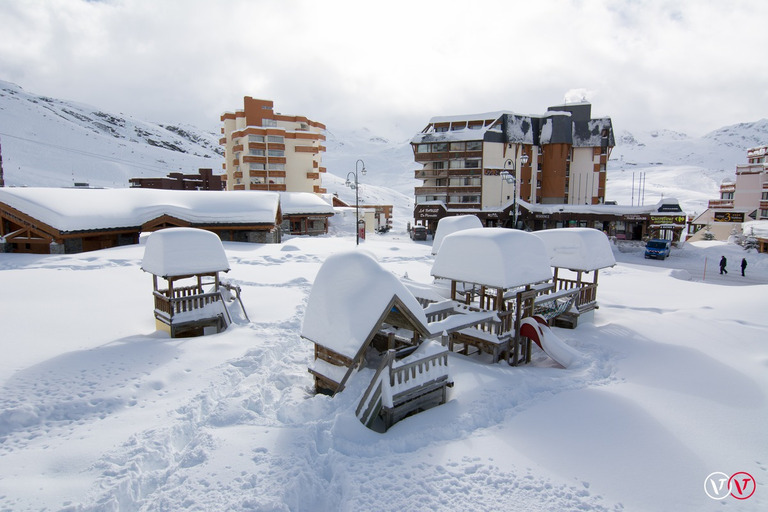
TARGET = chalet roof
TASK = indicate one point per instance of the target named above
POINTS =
(176, 252)
(448, 225)
(348, 299)
(583, 249)
(666, 206)
(71, 209)
(497, 257)
(298, 203)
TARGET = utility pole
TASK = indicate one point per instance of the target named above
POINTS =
(2, 181)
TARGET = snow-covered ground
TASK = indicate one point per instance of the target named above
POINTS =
(98, 411)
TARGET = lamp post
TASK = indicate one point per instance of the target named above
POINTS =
(509, 177)
(355, 185)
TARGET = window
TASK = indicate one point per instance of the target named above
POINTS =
(441, 129)
(276, 139)
(726, 195)
(276, 152)
(458, 126)
(256, 167)
(422, 148)
(464, 199)
(475, 145)
(765, 196)
(276, 167)
(255, 138)
(465, 182)
(438, 165)
(440, 146)
(456, 164)
(457, 146)
(258, 181)
(276, 181)
(764, 213)
(472, 163)
(256, 152)
(269, 123)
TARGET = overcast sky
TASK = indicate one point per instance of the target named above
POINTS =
(690, 66)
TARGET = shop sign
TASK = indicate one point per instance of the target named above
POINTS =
(729, 216)
(668, 219)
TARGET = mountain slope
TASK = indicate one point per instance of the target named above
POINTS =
(51, 142)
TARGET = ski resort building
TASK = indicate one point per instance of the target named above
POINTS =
(484, 164)
(203, 180)
(742, 200)
(265, 150)
(72, 220)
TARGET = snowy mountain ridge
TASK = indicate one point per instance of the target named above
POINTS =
(54, 142)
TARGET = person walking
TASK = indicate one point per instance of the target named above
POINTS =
(723, 262)
(743, 265)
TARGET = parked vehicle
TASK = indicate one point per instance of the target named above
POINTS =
(658, 248)
(418, 233)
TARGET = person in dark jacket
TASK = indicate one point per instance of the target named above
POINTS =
(743, 265)
(723, 262)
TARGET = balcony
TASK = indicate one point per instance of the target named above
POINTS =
(248, 159)
(320, 190)
(257, 145)
(222, 141)
(423, 174)
(429, 157)
(465, 172)
(751, 168)
(313, 175)
(267, 174)
(464, 189)
(268, 186)
(237, 147)
(237, 174)
(728, 187)
(463, 206)
(720, 203)
(306, 149)
(322, 169)
(430, 191)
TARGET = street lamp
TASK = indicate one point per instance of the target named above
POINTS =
(511, 178)
(355, 185)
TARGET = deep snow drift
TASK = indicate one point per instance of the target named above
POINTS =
(100, 412)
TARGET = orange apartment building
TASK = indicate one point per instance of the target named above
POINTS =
(264, 150)
(486, 164)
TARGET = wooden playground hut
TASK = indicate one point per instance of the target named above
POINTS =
(360, 315)
(185, 264)
(577, 255)
(497, 277)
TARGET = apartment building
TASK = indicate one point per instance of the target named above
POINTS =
(486, 164)
(742, 200)
(264, 150)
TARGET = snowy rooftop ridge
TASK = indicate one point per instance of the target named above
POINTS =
(584, 249)
(174, 252)
(71, 209)
(296, 203)
(348, 297)
(497, 257)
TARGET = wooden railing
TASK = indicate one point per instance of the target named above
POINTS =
(184, 299)
(399, 377)
(587, 294)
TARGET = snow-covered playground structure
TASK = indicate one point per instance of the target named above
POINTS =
(188, 261)
(360, 315)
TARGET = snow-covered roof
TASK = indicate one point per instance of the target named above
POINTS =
(584, 249)
(72, 209)
(498, 257)
(175, 252)
(448, 225)
(666, 206)
(349, 296)
(297, 203)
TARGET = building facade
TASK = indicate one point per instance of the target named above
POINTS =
(203, 180)
(481, 164)
(742, 200)
(264, 150)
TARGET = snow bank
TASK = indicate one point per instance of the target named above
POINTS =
(584, 249)
(498, 257)
(448, 225)
(349, 296)
(182, 252)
